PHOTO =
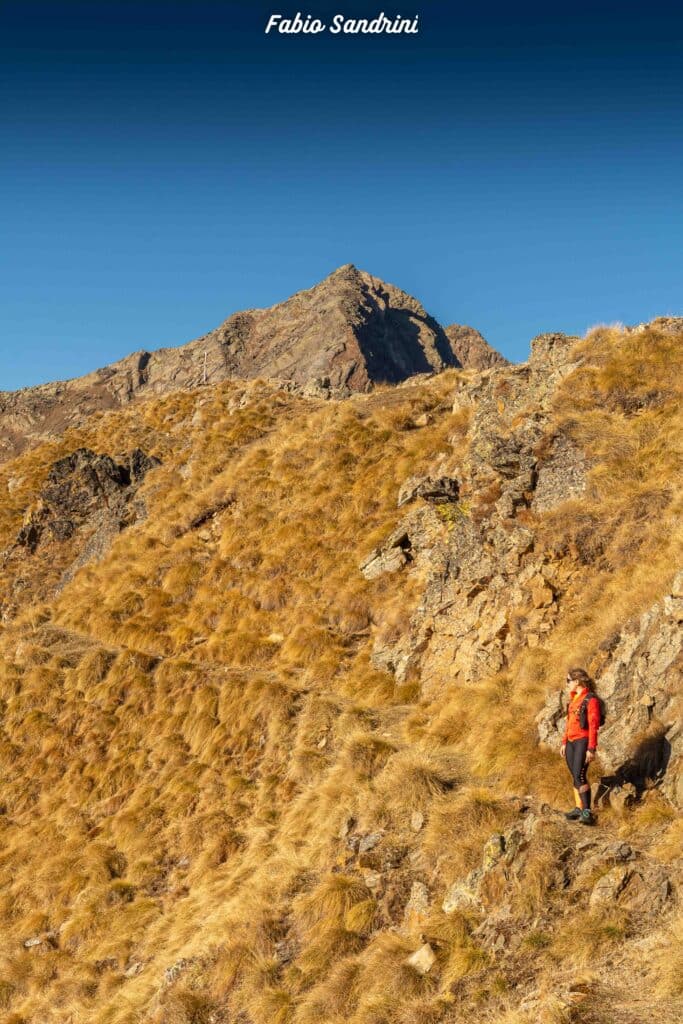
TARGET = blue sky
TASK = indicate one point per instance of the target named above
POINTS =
(515, 167)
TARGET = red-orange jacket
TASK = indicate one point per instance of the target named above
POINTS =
(572, 729)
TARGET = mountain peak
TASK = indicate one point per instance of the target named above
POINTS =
(349, 332)
(351, 327)
(345, 268)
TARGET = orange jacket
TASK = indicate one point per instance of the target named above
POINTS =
(572, 729)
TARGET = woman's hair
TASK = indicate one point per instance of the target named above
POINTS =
(579, 675)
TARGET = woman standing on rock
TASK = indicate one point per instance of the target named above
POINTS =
(580, 739)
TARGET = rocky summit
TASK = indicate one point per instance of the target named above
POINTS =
(282, 678)
(344, 335)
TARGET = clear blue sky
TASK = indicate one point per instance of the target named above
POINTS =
(517, 167)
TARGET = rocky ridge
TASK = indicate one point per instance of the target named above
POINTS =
(342, 336)
(484, 574)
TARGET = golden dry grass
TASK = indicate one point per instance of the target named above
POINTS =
(193, 727)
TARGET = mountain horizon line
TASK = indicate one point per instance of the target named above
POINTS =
(343, 269)
(344, 335)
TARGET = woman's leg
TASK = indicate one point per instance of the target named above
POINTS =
(576, 760)
(584, 787)
(570, 757)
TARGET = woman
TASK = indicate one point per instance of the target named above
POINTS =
(580, 740)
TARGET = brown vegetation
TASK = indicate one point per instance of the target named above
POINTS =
(193, 731)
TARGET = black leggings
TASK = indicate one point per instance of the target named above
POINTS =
(575, 753)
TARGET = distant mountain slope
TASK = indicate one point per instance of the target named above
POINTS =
(350, 331)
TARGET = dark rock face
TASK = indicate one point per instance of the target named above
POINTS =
(85, 489)
(139, 464)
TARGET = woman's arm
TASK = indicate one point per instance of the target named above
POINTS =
(593, 723)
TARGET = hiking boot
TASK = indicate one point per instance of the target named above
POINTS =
(573, 815)
(586, 817)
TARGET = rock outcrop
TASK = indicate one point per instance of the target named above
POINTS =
(81, 488)
(85, 502)
(596, 869)
(487, 590)
(472, 349)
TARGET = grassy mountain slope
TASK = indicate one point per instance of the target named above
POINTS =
(216, 806)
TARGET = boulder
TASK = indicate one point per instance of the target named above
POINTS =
(380, 562)
(541, 596)
(423, 959)
(373, 880)
(498, 932)
(417, 819)
(550, 719)
(369, 842)
(641, 888)
(467, 893)
(390, 557)
(463, 895)
(438, 490)
(494, 849)
(561, 475)
(417, 907)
